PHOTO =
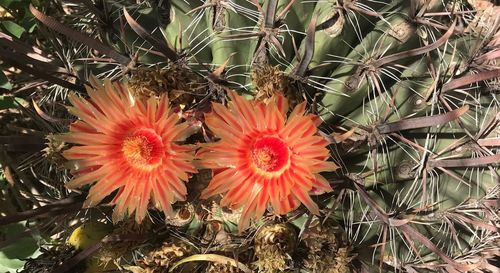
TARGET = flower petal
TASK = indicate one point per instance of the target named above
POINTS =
(307, 201)
(263, 158)
(222, 182)
(127, 143)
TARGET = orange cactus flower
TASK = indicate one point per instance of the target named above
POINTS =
(264, 157)
(129, 145)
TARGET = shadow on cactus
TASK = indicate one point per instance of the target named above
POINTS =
(250, 136)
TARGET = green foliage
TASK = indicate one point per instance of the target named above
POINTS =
(17, 245)
(10, 102)
(4, 81)
(13, 28)
(22, 20)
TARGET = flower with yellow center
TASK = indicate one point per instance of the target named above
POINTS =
(130, 146)
(264, 157)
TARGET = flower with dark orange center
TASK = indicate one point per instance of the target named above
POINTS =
(264, 158)
(130, 146)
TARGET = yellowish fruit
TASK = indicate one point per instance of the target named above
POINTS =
(89, 234)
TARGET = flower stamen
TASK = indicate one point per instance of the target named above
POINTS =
(270, 154)
(143, 149)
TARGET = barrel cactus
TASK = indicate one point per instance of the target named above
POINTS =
(251, 136)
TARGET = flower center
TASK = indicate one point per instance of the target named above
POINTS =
(143, 149)
(270, 154)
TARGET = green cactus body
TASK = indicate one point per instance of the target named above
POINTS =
(407, 92)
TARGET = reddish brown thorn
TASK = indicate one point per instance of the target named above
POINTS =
(489, 142)
(409, 142)
(422, 122)
(432, 24)
(390, 105)
(374, 79)
(78, 36)
(270, 15)
(414, 235)
(453, 175)
(216, 74)
(70, 204)
(465, 162)
(146, 35)
(424, 188)
(47, 117)
(296, 50)
(302, 66)
(382, 248)
(207, 5)
(491, 125)
(259, 7)
(283, 13)
(25, 54)
(482, 225)
(352, 6)
(88, 4)
(30, 66)
(471, 78)
(278, 45)
(416, 51)
(243, 35)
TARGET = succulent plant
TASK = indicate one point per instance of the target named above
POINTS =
(401, 96)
